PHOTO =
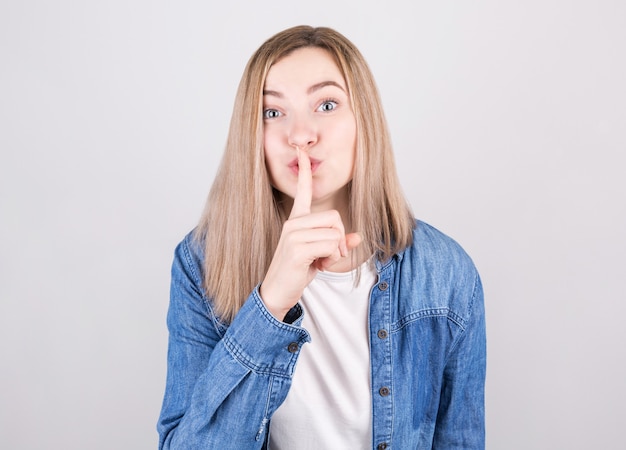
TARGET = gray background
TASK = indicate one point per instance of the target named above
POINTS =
(508, 120)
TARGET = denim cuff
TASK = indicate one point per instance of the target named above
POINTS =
(261, 342)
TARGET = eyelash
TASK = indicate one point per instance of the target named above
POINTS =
(325, 101)
(329, 100)
(268, 110)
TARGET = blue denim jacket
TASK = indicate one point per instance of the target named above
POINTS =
(427, 343)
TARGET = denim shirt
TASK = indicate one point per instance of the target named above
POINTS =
(427, 355)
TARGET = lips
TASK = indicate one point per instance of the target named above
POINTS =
(293, 165)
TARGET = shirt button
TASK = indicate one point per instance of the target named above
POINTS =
(382, 446)
(382, 334)
(384, 391)
(293, 347)
(383, 285)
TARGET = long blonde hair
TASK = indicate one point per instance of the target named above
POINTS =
(242, 220)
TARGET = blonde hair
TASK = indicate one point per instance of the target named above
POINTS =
(242, 220)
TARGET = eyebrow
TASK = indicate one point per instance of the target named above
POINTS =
(312, 89)
(318, 86)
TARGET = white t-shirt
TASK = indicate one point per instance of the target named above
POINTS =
(329, 404)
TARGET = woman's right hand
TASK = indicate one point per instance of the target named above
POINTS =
(309, 242)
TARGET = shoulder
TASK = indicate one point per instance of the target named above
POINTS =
(189, 258)
(187, 290)
(438, 272)
(430, 244)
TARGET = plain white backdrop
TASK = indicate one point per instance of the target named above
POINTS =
(509, 125)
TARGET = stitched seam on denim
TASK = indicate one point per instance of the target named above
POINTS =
(428, 313)
(470, 312)
(189, 261)
(385, 264)
(268, 398)
(271, 318)
(239, 355)
(470, 306)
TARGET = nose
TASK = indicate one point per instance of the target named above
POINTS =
(302, 132)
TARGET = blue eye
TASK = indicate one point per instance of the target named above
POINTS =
(327, 106)
(271, 114)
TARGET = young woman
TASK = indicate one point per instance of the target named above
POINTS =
(309, 309)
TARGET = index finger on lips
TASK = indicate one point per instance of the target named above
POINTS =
(304, 189)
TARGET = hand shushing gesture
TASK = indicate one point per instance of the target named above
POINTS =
(309, 242)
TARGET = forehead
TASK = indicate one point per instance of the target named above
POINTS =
(305, 66)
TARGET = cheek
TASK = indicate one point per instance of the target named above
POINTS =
(269, 147)
(271, 151)
(346, 135)
(345, 130)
